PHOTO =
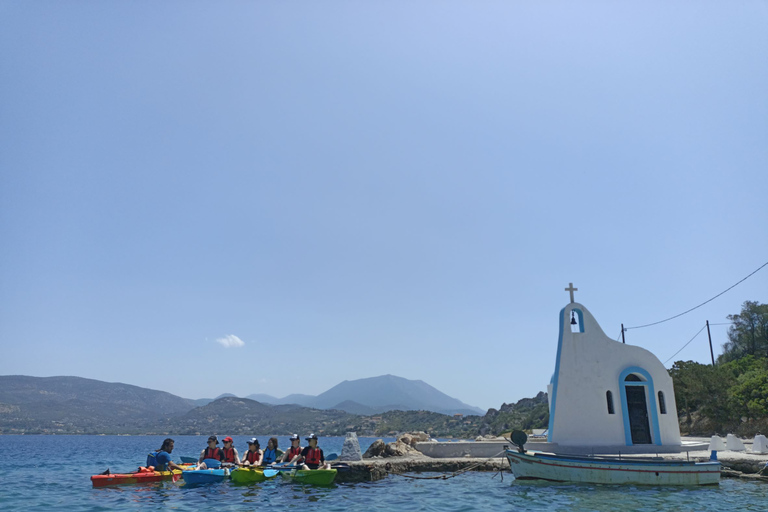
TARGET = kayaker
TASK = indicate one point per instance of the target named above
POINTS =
(253, 456)
(161, 459)
(212, 452)
(270, 454)
(293, 453)
(229, 452)
(312, 456)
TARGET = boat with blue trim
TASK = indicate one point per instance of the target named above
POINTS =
(608, 470)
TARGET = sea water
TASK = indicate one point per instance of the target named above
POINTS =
(53, 473)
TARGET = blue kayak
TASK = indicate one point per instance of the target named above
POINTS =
(205, 476)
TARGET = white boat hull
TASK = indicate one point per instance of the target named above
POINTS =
(558, 468)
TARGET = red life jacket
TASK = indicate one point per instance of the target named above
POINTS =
(228, 455)
(314, 456)
(213, 453)
(253, 456)
(292, 452)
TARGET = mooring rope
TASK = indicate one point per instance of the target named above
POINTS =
(450, 475)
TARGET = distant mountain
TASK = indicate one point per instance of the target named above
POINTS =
(82, 405)
(298, 399)
(375, 395)
(389, 392)
(354, 408)
(205, 401)
(263, 398)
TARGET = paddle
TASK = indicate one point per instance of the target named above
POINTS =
(332, 456)
(282, 467)
(269, 473)
(212, 463)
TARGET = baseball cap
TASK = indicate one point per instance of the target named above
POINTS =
(253, 440)
(295, 437)
(227, 440)
(311, 436)
(214, 438)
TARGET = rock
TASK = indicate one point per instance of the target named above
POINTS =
(406, 438)
(375, 450)
(351, 448)
(419, 437)
(398, 449)
(479, 438)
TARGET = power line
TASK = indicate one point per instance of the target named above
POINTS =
(705, 302)
(689, 342)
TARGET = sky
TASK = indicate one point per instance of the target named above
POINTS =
(273, 197)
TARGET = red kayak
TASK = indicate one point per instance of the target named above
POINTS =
(144, 475)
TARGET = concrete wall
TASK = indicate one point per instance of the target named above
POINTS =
(445, 450)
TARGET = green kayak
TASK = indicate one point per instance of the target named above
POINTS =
(311, 476)
(250, 475)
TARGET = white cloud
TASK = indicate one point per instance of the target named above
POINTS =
(230, 341)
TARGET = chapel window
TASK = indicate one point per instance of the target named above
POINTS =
(632, 378)
(662, 404)
(609, 400)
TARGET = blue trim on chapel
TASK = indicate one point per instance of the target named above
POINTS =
(650, 401)
(553, 401)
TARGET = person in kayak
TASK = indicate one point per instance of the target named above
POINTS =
(293, 453)
(229, 452)
(312, 457)
(161, 459)
(270, 454)
(253, 456)
(212, 452)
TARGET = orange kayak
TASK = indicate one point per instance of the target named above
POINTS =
(139, 477)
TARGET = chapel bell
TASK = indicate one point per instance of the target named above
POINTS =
(573, 318)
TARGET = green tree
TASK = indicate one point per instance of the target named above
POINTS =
(704, 389)
(748, 333)
(749, 392)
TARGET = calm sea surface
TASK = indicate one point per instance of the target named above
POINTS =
(52, 472)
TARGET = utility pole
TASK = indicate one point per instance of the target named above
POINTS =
(711, 352)
(622, 334)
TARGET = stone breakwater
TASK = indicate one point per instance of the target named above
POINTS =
(368, 470)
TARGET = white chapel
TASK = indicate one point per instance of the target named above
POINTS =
(608, 394)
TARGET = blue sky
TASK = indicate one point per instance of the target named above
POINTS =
(361, 188)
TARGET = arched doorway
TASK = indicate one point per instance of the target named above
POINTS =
(637, 410)
(641, 423)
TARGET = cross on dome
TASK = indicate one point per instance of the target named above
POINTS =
(571, 289)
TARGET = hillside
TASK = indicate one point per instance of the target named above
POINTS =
(74, 404)
(244, 416)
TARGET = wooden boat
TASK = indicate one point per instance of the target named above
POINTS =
(611, 470)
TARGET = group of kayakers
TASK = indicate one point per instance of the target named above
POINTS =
(309, 457)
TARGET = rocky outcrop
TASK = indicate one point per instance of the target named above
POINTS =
(400, 448)
(375, 450)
